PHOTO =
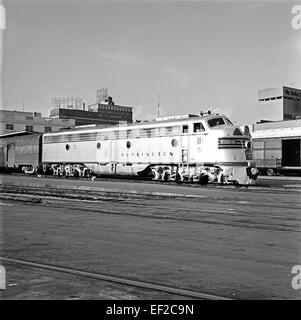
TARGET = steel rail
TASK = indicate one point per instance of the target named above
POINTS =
(114, 279)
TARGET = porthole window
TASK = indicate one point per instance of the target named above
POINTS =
(67, 147)
(128, 144)
(174, 142)
(98, 146)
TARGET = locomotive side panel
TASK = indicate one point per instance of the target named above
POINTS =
(149, 150)
(72, 152)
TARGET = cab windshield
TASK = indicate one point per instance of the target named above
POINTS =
(219, 122)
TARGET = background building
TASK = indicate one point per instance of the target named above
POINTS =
(276, 138)
(277, 104)
(17, 121)
(103, 112)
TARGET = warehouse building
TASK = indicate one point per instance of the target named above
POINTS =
(277, 104)
(99, 113)
(17, 121)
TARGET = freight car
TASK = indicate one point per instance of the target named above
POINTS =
(200, 148)
(21, 151)
(277, 147)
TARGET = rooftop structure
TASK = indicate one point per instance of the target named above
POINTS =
(67, 103)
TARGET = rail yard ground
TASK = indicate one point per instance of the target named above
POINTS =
(237, 243)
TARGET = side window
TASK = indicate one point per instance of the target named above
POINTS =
(169, 131)
(198, 127)
(9, 126)
(185, 128)
(28, 128)
(148, 132)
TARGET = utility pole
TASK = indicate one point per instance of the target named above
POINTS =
(158, 108)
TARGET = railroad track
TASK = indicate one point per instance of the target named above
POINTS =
(186, 183)
(115, 279)
(209, 215)
(130, 179)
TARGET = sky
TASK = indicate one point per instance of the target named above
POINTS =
(197, 55)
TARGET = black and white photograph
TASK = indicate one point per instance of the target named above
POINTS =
(150, 153)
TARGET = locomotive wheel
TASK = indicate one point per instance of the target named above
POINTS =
(87, 173)
(203, 179)
(222, 179)
(270, 172)
(152, 174)
(166, 176)
(40, 170)
(178, 177)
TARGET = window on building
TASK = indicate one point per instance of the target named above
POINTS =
(29, 128)
(198, 127)
(9, 126)
(185, 128)
(47, 129)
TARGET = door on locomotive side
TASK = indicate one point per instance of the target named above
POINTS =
(113, 154)
(185, 142)
(196, 142)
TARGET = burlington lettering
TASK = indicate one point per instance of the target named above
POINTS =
(147, 154)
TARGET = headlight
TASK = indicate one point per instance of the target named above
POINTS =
(248, 144)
